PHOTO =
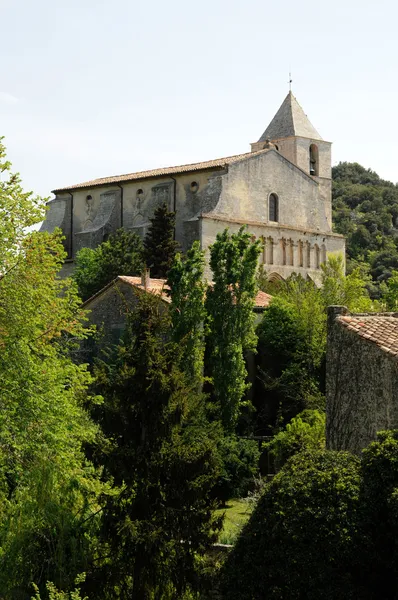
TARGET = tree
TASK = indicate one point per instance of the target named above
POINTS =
(291, 353)
(239, 460)
(230, 302)
(159, 452)
(377, 548)
(299, 540)
(365, 210)
(120, 254)
(188, 313)
(345, 290)
(47, 488)
(159, 244)
(389, 292)
(304, 432)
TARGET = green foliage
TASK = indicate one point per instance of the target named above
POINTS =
(188, 314)
(18, 211)
(159, 244)
(365, 209)
(377, 552)
(298, 542)
(239, 460)
(46, 486)
(389, 292)
(230, 302)
(304, 432)
(292, 341)
(291, 351)
(346, 290)
(54, 594)
(120, 254)
(159, 452)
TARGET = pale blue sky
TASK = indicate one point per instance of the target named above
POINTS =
(91, 88)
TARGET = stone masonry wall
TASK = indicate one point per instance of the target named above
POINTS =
(361, 388)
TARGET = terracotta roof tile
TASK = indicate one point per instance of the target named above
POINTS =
(381, 329)
(155, 286)
(210, 164)
(158, 286)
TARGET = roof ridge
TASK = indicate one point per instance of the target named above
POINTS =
(162, 171)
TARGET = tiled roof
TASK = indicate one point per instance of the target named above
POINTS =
(158, 286)
(290, 120)
(381, 329)
(155, 286)
(210, 164)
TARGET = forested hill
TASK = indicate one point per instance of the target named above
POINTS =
(365, 210)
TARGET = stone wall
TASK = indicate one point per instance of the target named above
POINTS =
(361, 388)
(247, 185)
(285, 250)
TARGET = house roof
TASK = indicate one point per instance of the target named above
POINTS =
(158, 286)
(290, 120)
(380, 329)
(218, 163)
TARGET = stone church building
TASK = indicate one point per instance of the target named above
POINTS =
(281, 190)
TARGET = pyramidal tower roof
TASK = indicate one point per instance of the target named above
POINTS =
(290, 120)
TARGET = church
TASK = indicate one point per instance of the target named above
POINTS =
(281, 190)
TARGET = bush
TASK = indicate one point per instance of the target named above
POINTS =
(298, 544)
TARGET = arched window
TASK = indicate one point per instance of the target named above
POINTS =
(273, 212)
(314, 167)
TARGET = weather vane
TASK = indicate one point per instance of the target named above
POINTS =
(290, 81)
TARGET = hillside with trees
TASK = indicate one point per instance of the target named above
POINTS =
(365, 210)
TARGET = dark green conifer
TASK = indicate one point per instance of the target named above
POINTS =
(159, 452)
(159, 244)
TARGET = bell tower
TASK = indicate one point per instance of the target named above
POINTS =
(295, 138)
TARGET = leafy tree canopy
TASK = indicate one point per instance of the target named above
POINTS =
(120, 254)
(47, 488)
(230, 302)
(365, 209)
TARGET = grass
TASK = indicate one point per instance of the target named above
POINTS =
(237, 512)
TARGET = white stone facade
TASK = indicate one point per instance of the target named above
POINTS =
(281, 191)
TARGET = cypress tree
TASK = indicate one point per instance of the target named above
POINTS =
(159, 244)
(159, 453)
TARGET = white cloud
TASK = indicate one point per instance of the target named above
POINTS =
(8, 98)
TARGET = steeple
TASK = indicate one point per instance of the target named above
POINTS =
(290, 121)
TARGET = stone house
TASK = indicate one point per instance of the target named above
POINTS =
(108, 309)
(361, 377)
(281, 190)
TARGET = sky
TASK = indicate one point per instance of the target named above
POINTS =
(92, 88)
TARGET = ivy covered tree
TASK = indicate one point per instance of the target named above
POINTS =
(188, 313)
(159, 244)
(120, 254)
(230, 303)
(47, 488)
(159, 452)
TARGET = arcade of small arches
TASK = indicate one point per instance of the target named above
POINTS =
(287, 252)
